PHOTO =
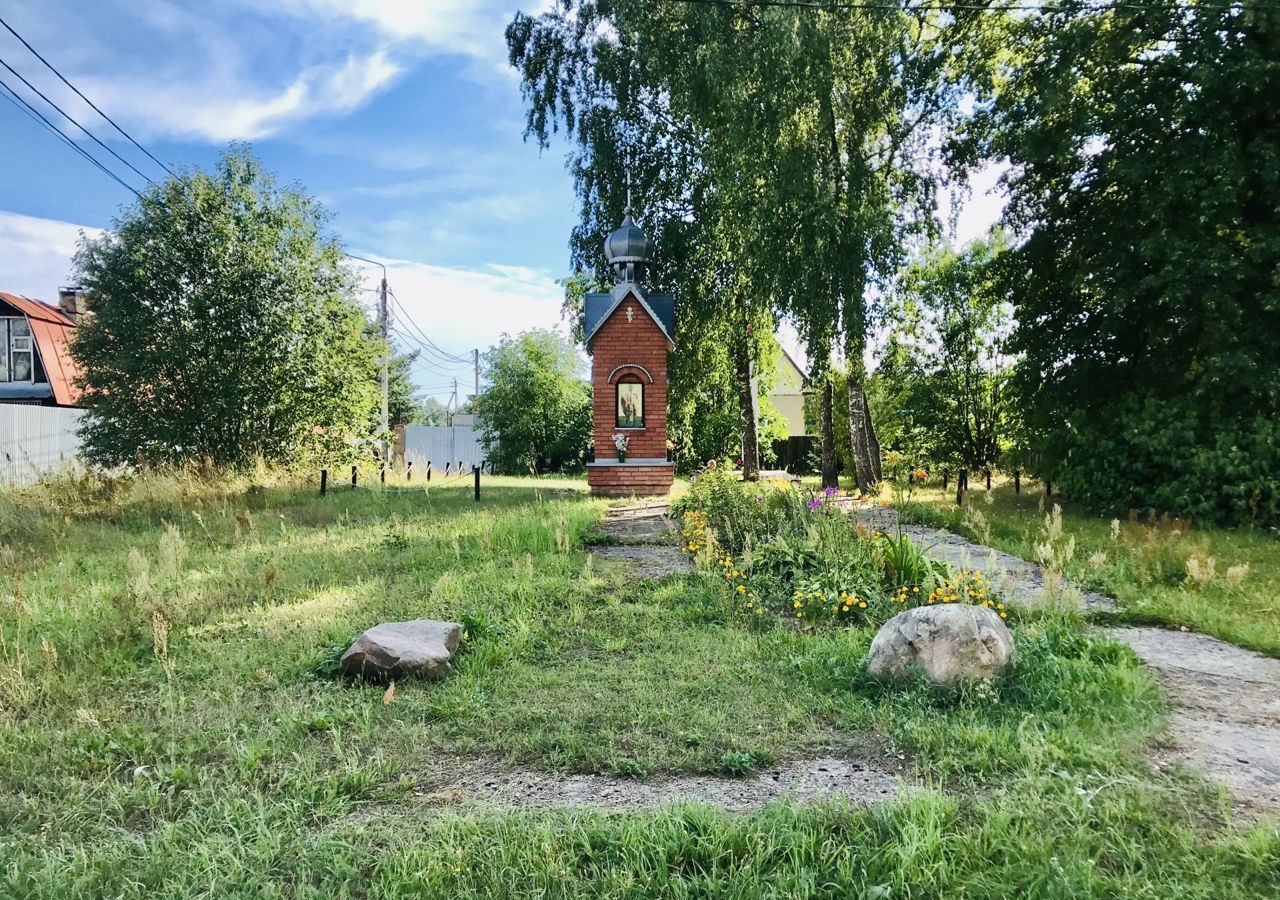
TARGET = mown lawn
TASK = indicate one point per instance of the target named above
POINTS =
(169, 726)
(1141, 559)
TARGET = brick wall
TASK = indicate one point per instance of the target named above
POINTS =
(630, 480)
(639, 342)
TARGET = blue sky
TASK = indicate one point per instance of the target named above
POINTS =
(403, 118)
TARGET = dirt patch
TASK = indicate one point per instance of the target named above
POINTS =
(494, 784)
(1226, 709)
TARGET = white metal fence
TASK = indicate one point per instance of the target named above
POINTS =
(443, 445)
(35, 440)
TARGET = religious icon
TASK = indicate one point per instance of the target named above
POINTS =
(630, 405)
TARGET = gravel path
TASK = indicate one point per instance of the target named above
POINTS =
(1226, 709)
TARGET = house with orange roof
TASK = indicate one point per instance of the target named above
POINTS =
(35, 364)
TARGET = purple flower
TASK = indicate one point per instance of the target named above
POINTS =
(759, 499)
(831, 491)
(815, 502)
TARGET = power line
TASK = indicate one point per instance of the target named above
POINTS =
(450, 357)
(66, 116)
(420, 350)
(420, 341)
(444, 355)
(944, 7)
(94, 106)
(427, 362)
(15, 97)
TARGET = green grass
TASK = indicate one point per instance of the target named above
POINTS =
(1145, 568)
(178, 625)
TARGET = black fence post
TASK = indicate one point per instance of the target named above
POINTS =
(1017, 481)
(324, 482)
(962, 482)
(428, 470)
(382, 474)
(988, 474)
(354, 475)
(946, 476)
(475, 472)
(408, 471)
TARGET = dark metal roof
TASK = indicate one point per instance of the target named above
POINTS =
(628, 244)
(597, 308)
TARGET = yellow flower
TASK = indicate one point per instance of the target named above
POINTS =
(863, 604)
(742, 589)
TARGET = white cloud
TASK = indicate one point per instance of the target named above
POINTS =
(35, 254)
(246, 70)
(226, 110)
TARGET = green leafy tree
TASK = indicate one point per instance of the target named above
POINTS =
(783, 152)
(597, 72)
(946, 358)
(535, 415)
(223, 327)
(403, 406)
(1145, 143)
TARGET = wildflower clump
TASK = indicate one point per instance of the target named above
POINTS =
(695, 532)
(967, 586)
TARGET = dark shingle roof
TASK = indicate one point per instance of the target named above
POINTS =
(598, 307)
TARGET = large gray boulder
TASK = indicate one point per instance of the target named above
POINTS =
(949, 642)
(421, 647)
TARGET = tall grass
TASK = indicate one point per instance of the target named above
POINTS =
(166, 727)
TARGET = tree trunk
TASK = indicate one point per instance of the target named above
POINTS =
(873, 442)
(864, 472)
(828, 434)
(746, 410)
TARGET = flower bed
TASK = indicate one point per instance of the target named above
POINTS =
(799, 555)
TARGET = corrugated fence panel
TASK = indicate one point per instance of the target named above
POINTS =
(35, 440)
(441, 444)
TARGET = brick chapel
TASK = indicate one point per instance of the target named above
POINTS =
(629, 334)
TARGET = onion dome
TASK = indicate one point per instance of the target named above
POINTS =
(626, 248)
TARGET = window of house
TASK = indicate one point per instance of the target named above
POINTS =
(630, 402)
(17, 357)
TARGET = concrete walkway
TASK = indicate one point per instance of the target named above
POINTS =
(641, 534)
